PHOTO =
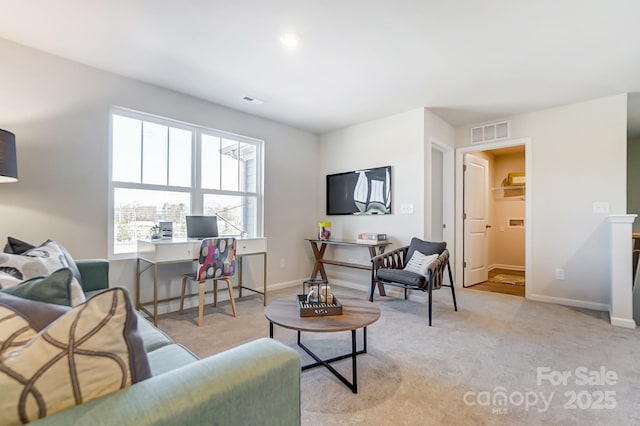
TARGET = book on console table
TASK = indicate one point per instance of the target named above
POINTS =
(370, 238)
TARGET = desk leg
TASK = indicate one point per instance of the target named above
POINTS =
(373, 253)
(155, 294)
(264, 276)
(318, 253)
(239, 276)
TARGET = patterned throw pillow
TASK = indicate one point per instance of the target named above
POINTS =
(21, 319)
(92, 350)
(38, 261)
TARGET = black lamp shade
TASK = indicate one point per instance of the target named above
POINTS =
(8, 161)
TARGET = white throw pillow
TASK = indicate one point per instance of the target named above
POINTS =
(38, 261)
(419, 263)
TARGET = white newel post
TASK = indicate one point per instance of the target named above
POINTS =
(621, 275)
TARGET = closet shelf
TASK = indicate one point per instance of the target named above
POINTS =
(498, 188)
(509, 193)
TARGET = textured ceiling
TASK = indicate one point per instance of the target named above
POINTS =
(469, 61)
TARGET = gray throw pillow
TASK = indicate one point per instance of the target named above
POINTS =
(425, 247)
(16, 246)
(55, 288)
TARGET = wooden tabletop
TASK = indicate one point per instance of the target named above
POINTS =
(356, 314)
(350, 242)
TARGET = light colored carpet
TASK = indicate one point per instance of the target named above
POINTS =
(455, 371)
(508, 279)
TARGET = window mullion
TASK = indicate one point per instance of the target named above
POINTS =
(196, 194)
(141, 150)
(168, 153)
(238, 165)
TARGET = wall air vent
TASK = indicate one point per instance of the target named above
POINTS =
(491, 132)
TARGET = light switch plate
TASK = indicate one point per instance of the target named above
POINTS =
(406, 208)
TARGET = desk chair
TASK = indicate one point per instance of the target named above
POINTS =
(217, 261)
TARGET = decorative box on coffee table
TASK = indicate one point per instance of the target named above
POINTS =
(316, 309)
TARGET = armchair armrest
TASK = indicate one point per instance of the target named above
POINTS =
(94, 273)
(394, 259)
(435, 272)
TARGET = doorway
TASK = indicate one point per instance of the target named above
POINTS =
(438, 224)
(493, 234)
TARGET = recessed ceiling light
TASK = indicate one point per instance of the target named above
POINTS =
(252, 100)
(290, 40)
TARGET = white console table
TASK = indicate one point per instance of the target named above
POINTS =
(153, 253)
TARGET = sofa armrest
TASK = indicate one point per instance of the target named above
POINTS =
(94, 273)
(257, 383)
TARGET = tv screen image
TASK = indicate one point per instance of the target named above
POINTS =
(365, 191)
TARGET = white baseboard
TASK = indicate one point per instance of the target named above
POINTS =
(569, 302)
(502, 266)
(352, 285)
(286, 284)
(397, 292)
(623, 322)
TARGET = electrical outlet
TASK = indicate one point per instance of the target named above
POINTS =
(560, 274)
(601, 207)
(283, 263)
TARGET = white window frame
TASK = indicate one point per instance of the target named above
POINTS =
(197, 193)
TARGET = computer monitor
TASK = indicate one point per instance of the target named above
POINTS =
(202, 227)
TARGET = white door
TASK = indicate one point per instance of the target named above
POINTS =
(476, 186)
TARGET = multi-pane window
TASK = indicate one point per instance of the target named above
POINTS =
(162, 170)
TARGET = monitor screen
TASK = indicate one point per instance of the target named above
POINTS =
(202, 227)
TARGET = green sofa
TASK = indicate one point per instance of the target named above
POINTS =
(252, 384)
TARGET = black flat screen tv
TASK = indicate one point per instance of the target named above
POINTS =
(365, 191)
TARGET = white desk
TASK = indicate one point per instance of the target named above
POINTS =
(183, 250)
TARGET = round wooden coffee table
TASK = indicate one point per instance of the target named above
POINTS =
(355, 314)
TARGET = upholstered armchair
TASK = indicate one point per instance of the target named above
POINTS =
(404, 268)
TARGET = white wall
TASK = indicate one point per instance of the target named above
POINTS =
(400, 141)
(59, 111)
(579, 156)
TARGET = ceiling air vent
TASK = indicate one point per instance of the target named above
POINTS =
(490, 132)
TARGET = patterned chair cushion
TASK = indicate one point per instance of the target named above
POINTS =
(87, 352)
(38, 261)
(217, 258)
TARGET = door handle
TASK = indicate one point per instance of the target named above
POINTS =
(487, 226)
